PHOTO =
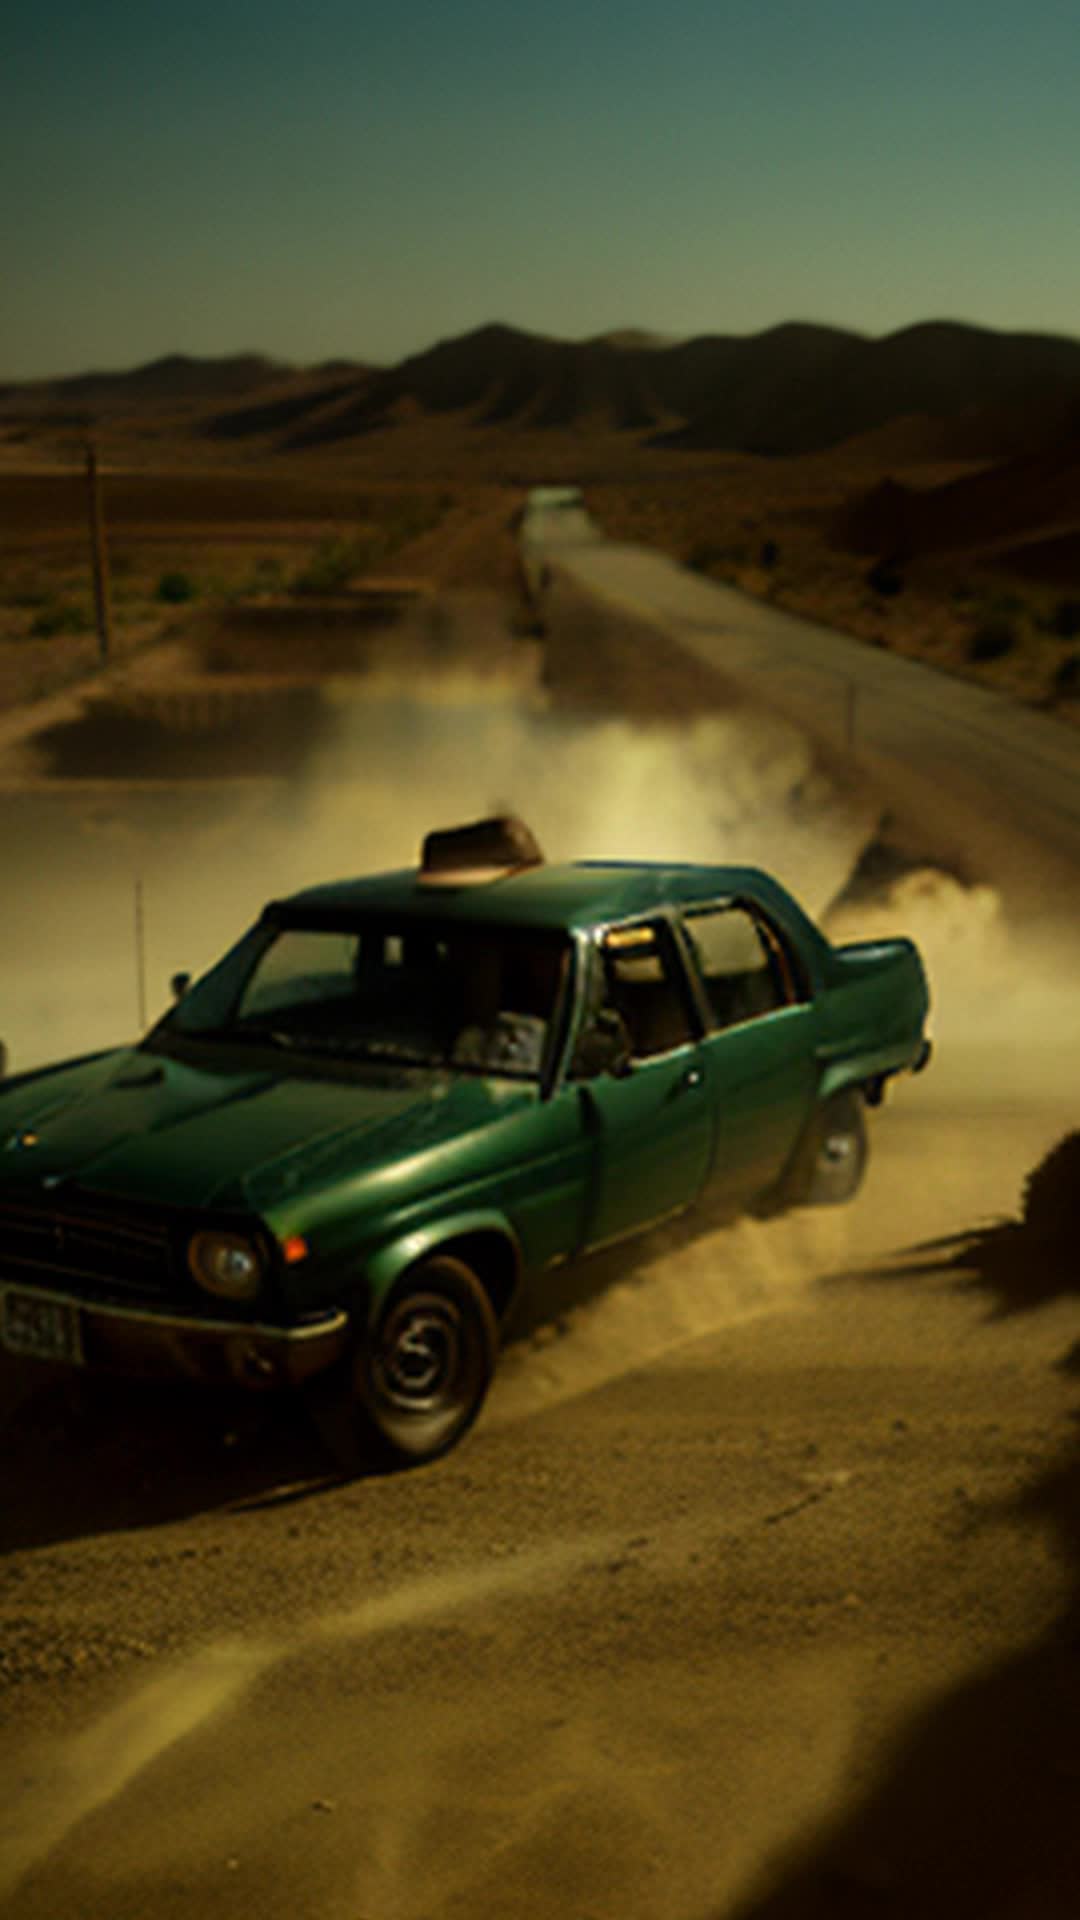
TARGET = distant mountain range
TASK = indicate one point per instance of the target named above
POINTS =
(947, 388)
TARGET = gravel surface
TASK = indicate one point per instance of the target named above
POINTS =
(752, 1595)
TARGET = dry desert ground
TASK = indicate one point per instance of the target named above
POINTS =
(753, 1596)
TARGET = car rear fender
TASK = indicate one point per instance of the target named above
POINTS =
(483, 1240)
(869, 1070)
(873, 1016)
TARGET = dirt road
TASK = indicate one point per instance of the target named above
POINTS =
(683, 1605)
(753, 1595)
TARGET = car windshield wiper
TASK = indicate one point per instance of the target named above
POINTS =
(338, 1045)
(395, 1052)
(343, 1046)
(493, 1070)
(228, 1035)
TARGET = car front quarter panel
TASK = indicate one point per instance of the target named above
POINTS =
(485, 1240)
(358, 1273)
(523, 1181)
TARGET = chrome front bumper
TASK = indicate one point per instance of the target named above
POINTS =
(43, 1324)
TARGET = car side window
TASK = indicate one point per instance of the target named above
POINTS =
(508, 992)
(644, 983)
(744, 965)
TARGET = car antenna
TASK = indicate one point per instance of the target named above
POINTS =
(140, 954)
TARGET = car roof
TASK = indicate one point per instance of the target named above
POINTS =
(575, 897)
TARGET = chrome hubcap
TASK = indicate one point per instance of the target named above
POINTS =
(420, 1352)
(836, 1148)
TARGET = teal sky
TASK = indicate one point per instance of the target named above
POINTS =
(364, 179)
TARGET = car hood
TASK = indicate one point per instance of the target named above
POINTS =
(154, 1128)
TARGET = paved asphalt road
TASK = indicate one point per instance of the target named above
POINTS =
(993, 787)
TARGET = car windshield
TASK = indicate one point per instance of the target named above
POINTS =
(473, 998)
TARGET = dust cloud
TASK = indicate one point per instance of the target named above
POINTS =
(1005, 1014)
(85, 864)
(68, 1779)
(75, 1777)
(397, 757)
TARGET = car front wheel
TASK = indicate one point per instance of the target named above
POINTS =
(419, 1378)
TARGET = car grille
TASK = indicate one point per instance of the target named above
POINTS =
(96, 1250)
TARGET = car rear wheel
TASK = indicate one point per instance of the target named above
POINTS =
(829, 1162)
(418, 1380)
(835, 1153)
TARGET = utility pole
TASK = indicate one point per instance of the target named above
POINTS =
(98, 553)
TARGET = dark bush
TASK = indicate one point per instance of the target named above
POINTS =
(1065, 619)
(1066, 681)
(333, 565)
(885, 578)
(1051, 1208)
(175, 588)
(710, 556)
(992, 640)
(63, 616)
(268, 576)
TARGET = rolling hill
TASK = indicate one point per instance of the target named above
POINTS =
(964, 392)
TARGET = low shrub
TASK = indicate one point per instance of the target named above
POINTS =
(267, 576)
(1066, 681)
(175, 588)
(334, 564)
(708, 556)
(992, 640)
(885, 578)
(60, 616)
(1065, 619)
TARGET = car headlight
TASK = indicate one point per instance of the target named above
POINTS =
(227, 1264)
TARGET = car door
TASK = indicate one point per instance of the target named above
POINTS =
(651, 1123)
(759, 1044)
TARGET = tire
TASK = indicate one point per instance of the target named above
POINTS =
(829, 1163)
(418, 1380)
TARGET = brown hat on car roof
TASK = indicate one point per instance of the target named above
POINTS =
(483, 850)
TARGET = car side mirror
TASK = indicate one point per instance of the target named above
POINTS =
(603, 1047)
(180, 983)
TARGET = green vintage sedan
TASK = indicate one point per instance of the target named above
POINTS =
(348, 1150)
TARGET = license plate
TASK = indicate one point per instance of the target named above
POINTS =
(42, 1328)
